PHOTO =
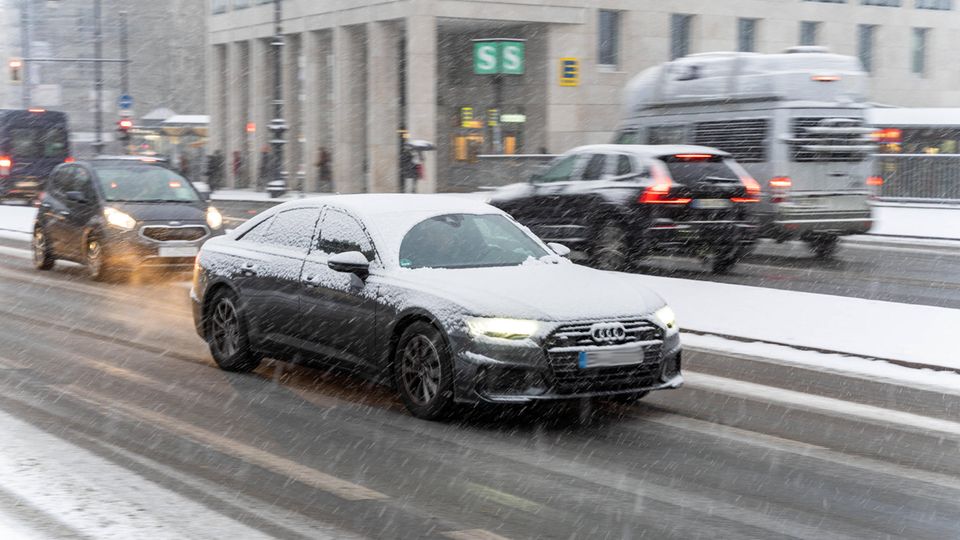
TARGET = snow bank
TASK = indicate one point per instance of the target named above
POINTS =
(929, 221)
(871, 328)
(16, 222)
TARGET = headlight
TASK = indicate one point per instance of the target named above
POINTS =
(214, 218)
(667, 317)
(502, 328)
(119, 219)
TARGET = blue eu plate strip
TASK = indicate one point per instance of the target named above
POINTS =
(582, 360)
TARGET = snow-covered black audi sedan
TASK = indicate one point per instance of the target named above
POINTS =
(447, 299)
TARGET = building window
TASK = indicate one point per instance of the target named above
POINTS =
(934, 4)
(809, 31)
(919, 62)
(888, 3)
(609, 38)
(828, 1)
(746, 35)
(680, 34)
(240, 4)
(865, 38)
(218, 6)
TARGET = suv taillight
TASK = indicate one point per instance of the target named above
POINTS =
(780, 186)
(753, 190)
(6, 165)
(659, 191)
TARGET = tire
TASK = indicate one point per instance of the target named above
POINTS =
(825, 247)
(226, 335)
(611, 248)
(423, 372)
(43, 257)
(95, 259)
(724, 258)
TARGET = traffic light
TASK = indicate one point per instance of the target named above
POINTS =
(124, 125)
(16, 70)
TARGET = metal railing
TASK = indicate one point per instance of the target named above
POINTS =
(926, 177)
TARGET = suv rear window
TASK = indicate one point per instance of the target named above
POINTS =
(688, 171)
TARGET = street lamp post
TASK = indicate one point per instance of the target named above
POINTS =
(277, 125)
(98, 78)
(25, 38)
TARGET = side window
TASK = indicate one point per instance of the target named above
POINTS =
(561, 170)
(258, 232)
(340, 232)
(666, 134)
(595, 168)
(293, 229)
(629, 136)
(63, 180)
(623, 165)
(83, 183)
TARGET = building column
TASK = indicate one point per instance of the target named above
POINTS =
(312, 89)
(293, 150)
(421, 82)
(260, 112)
(383, 106)
(348, 111)
(216, 98)
(565, 116)
(235, 108)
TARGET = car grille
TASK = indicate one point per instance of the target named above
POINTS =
(174, 234)
(569, 378)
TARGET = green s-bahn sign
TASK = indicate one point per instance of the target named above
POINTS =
(499, 56)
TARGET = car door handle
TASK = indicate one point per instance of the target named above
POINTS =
(64, 212)
(249, 270)
(311, 281)
(45, 205)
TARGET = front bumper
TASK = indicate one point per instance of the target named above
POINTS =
(20, 187)
(526, 372)
(132, 250)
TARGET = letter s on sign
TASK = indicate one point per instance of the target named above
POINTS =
(511, 58)
(487, 55)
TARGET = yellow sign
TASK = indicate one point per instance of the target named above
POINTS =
(569, 72)
(472, 124)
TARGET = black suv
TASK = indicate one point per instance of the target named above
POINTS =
(121, 213)
(614, 204)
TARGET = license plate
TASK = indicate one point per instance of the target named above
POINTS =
(186, 251)
(621, 356)
(809, 201)
(26, 183)
(709, 204)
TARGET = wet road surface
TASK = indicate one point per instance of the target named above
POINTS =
(747, 449)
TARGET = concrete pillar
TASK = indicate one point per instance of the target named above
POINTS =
(421, 82)
(216, 97)
(293, 150)
(235, 111)
(261, 98)
(312, 50)
(383, 106)
(349, 117)
(565, 115)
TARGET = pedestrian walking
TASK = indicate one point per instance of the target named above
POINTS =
(265, 172)
(323, 169)
(237, 167)
(215, 170)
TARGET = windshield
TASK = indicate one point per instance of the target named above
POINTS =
(144, 183)
(38, 142)
(467, 241)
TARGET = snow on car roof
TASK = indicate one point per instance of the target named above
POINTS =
(648, 150)
(389, 216)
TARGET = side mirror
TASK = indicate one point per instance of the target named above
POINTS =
(559, 249)
(76, 196)
(534, 178)
(350, 262)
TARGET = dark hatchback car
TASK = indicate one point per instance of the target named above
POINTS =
(119, 214)
(447, 299)
(615, 204)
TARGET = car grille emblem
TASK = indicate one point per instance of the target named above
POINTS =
(607, 333)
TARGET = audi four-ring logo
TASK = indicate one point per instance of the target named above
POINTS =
(608, 332)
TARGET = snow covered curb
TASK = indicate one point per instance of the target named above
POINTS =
(916, 221)
(16, 222)
(865, 328)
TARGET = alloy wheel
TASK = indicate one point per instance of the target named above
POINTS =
(41, 255)
(225, 328)
(94, 257)
(420, 370)
(612, 248)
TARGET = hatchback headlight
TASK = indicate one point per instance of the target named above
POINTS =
(214, 218)
(667, 317)
(502, 328)
(119, 219)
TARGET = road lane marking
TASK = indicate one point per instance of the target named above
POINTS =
(763, 440)
(825, 405)
(503, 498)
(249, 454)
(473, 534)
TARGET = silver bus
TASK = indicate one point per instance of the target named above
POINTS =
(794, 120)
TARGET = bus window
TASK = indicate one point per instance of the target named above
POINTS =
(631, 136)
(666, 134)
(38, 142)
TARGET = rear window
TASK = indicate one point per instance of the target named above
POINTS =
(38, 142)
(686, 171)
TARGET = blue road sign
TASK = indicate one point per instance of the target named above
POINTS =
(125, 101)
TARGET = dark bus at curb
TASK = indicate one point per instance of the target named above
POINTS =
(32, 143)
